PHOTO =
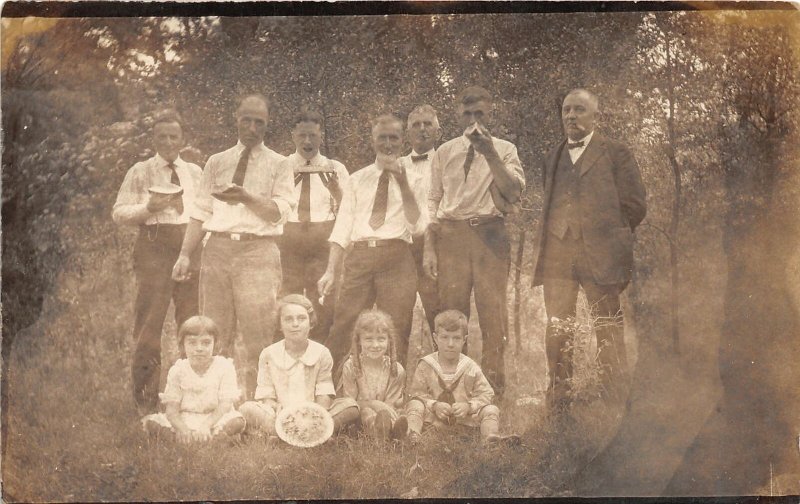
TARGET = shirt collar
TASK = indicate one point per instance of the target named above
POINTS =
(430, 153)
(161, 162)
(317, 160)
(309, 358)
(586, 139)
(259, 147)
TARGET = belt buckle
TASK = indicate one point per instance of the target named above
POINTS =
(236, 236)
(372, 243)
(474, 221)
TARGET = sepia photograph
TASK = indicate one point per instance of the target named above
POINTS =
(399, 250)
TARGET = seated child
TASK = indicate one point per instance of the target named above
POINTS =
(295, 370)
(449, 388)
(200, 390)
(373, 377)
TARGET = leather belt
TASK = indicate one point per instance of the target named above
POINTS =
(477, 221)
(379, 243)
(240, 236)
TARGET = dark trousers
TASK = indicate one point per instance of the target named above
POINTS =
(154, 256)
(384, 276)
(478, 257)
(427, 287)
(565, 269)
(304, 250)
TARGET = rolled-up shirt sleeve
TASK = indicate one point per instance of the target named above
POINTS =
(420, 195)
(436, 190)
(513, 164)
(343, 229)
(203, 201)
(130, 207)
(283, 191)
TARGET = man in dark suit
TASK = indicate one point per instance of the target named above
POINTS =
(594, 199)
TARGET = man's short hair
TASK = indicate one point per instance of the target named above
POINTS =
(311, 116)
(593, 99)
(424, 109)
(258, 96)
(387, 119)
(473, 94)
(168, 116)
(451, 320)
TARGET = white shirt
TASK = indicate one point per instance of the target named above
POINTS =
(131, 205)
(352, 224)
(456, 198)
(323, 205)
(423, 169)
(266, 176)
(575, 154)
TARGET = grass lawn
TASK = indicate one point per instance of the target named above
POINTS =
(72, 434)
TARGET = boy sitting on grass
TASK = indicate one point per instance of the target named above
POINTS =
(449, 388)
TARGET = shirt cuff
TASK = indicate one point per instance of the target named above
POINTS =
(284, 208)
(200, 214)
(325, 389)
(264, 393)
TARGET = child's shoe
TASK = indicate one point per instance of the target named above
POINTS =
(399, 429)
(414, 438)
(383, 424)
(496, 440)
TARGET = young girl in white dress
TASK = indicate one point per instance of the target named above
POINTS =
(201, 389)
(295, 370)
(373, 377)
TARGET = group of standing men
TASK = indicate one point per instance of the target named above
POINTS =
(430, 222)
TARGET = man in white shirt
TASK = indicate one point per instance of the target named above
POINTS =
(317, 195)
(245, 196)
(593, 200)
(475, 178)
(161, 218)
(380, 213)
(423, 132)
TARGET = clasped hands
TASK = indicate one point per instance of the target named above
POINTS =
(448, 412)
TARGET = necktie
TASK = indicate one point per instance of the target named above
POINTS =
(381, 199)
(468, 160)
(576, 145)
(304, 206)
(241, 168)
(177, 181)
(421, 157)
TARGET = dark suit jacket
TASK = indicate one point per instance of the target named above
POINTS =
(611, 198)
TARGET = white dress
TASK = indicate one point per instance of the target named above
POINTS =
(199, 395)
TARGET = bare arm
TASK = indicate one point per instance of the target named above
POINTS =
(191, 240)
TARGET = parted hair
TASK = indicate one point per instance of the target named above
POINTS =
(168, 115)
(385, 119)
(451, 320)
(374, 320)
(194, 326)
(311, 116)
(473, 94)
(300, 300)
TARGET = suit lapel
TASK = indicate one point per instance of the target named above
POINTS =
(592, 153)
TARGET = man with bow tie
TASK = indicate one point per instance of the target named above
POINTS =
(423, 132)
(304, 245)
(156, 196)
(380, 213)
(593, 200)
(475, 180)
(245, 195)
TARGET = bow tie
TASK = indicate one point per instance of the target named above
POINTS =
(421, 157)
(576, 145)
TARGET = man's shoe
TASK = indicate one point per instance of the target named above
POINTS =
(496, 440)
(399, 429)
